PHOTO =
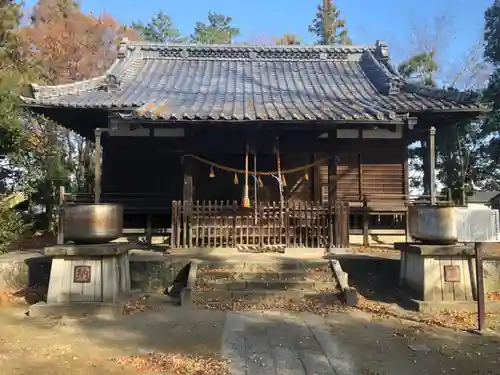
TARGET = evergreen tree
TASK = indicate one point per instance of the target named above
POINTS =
(336, 33)
(491, 125)
(218, 30)
(160, 29)
(421, 68)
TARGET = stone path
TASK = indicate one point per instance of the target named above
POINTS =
(277, 343)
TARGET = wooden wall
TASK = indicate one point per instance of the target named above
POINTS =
(141, 165)
(360, 166)
(222, 186)
(371, 167)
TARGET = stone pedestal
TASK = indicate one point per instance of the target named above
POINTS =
(86, 279)
(440, 276)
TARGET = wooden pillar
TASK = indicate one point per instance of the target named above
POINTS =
(187, 198)
(97, 166)
(481, 313)
(365, 215)
(60, 229)
(149, 230)
(316, 179)
(406, 176)
(432, 164)
(332, 200)
(366, 222)
(188, 187)
(330, 211)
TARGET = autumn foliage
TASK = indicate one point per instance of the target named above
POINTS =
(69, 45)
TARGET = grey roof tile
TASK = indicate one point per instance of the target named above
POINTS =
(228, 82)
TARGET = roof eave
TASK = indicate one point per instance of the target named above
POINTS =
(479, 110)
(266, 121)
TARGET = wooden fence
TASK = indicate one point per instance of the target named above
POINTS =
(225, 224)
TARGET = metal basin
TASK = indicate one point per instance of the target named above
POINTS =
(93, 223)
(433, 224)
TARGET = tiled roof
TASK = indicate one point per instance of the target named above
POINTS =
(223, 82)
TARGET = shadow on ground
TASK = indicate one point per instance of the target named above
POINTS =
(383, 347)
(376, 278)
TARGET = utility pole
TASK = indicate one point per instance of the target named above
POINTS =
(326, 25)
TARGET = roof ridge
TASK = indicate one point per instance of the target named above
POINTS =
(386, 83)
(161, 45)
(122, 65)
(48, 91)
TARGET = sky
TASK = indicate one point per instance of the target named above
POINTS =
(367, 20)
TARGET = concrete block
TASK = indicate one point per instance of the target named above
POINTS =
(186, 299)
(351, 296)
(82, 309)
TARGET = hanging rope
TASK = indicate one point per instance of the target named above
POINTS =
(257, 173)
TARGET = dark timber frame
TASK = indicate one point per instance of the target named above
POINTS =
(345, 106)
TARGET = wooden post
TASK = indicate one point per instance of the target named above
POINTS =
(246, 198)
(432, 164)
(481, 313)
(407, 194)
(149, 230)
(235, 208)
(187, 198)
(60, 226)
(97, 166)
(173, 224)
(330, 203)
(366, 219)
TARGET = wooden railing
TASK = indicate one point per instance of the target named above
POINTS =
(391, 204)
(395, 202)
(225, 224)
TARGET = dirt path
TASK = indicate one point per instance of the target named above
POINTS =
(376, 346)
(86, 346)
(388, 346)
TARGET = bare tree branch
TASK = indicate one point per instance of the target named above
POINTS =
(433, 34)
(471, 71)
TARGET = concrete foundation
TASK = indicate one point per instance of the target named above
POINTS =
(85, 279)
(445, 275)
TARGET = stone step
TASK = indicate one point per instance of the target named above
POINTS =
(213, 298)
(290, 275)
(270, 285)
(249, 265)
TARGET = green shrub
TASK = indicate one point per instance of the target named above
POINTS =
(13, 228)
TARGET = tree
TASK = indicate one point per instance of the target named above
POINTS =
(13, 72)
(14, 68)
(218, 30)
(70, 45)
(491, 126)
(337, 32)
(287, 40)
(67, 45)
(421, 68)
(160, 29)
(459, 147)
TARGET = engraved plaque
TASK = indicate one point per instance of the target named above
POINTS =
(452, 274)
(82, 274)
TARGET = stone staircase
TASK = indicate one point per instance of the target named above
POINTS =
(222, 284)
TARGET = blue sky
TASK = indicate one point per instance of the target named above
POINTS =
(368, 20)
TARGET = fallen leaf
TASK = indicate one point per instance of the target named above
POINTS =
(175, 363)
